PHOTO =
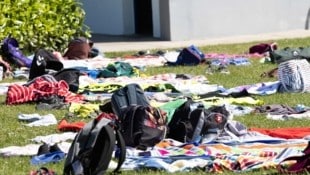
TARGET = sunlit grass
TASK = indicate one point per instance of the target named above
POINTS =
(14, 133)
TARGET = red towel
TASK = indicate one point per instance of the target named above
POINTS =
(287, 133)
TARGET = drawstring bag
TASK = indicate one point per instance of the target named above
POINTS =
(294, 76)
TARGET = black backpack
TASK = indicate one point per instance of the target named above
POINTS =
(131, 94)
(187, 122)
(43, 61)
(143, 126)
(189, 56)
(192, 121)
(70, 76)
(91, 150)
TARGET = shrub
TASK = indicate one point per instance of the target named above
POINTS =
(42, 24)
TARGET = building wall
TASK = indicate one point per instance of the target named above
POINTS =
(111, 17)
(200, 19)
(177, 20)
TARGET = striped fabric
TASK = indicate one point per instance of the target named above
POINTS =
(294, 75)
(38, 88)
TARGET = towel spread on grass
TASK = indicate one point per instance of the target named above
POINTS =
(173, 156)
(287, 133)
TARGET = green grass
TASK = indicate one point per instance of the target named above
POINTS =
(13, 133)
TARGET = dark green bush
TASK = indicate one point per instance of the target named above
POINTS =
(46, 24)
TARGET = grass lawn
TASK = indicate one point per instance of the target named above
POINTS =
(14, 133)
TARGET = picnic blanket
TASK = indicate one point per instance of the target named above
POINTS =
(172, 156)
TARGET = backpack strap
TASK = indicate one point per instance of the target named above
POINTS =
(122, 150)
(113, 135)
(87, 142)
(77, 145)
(196, 138)
(106, 146)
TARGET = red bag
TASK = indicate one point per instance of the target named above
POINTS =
(263, 48)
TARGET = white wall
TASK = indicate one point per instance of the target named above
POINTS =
(200, 19)
(112, 17)
(156, 18)
(177, 20)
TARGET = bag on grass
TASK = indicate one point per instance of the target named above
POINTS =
(70, 76)
(131, 94)
(282, 55)
(187, 122)
(262, 48)
(91, 151)
(143, 126)
(294, 76)
(12, 53)
(189, 56)
(193, 123)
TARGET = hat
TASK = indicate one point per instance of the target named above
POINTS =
(79, 48)
(43, 60)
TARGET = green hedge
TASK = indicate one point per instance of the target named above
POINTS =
(46, 24)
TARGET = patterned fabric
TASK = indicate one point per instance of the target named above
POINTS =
(217, 158)
(40, 87)
(294, 75)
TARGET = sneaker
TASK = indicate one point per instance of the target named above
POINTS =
(43, 149)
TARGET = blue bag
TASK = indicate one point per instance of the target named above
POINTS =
(189, 56)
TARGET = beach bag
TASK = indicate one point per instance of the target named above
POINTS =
(189, 56)
(294, 76)
(143, 126)
(91, 151)
(12, 53)
(301, 166)
(129, 95)
(193, 123)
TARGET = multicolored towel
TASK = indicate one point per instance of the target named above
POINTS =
(173, 156)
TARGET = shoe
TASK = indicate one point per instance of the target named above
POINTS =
(54, 148)
(43, 149)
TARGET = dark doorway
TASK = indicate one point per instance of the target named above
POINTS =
(143, 17)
